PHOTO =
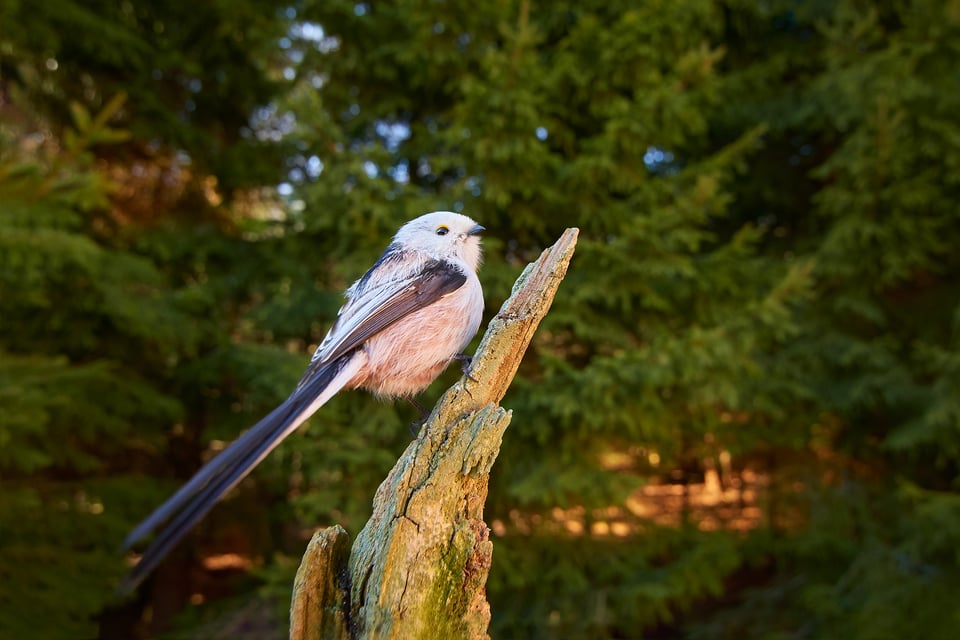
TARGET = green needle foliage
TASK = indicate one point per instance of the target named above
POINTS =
(764, 301)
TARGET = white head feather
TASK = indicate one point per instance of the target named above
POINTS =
(443, 234)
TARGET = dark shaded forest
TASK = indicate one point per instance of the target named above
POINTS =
(741, 418)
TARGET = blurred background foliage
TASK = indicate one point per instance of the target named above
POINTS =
(740, 420)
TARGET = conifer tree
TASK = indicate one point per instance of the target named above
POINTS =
(764, 287)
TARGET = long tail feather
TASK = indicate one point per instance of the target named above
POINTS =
(192, 501)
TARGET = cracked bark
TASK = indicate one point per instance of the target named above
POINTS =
(419, 567)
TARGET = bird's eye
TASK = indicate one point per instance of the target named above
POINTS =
(442, 230)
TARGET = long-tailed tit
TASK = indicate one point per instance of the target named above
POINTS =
(402, 324)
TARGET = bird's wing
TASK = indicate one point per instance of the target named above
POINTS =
(374, 307)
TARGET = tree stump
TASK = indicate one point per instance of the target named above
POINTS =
(419, 567)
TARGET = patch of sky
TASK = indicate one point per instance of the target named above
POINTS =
(268, 124)
(313, 33)
(655, 156)
(400, 172)
(393, 133)
(314, 167)
(657, 160)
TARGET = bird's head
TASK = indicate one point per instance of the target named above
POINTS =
(443, 234)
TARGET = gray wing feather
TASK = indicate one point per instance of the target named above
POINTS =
(376, 308)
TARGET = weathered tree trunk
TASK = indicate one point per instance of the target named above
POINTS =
(419, 567)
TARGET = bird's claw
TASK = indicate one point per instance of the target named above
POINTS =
(424, 414)
(465, 362)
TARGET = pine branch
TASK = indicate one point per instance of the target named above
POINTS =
(419, 567)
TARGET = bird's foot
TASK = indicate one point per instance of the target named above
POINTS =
(424, 414)
(465, 362)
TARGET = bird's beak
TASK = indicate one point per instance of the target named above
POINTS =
(477, 230)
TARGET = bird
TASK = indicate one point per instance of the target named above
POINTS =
(402, 323)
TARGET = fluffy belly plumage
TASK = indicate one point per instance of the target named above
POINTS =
(413, 352)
